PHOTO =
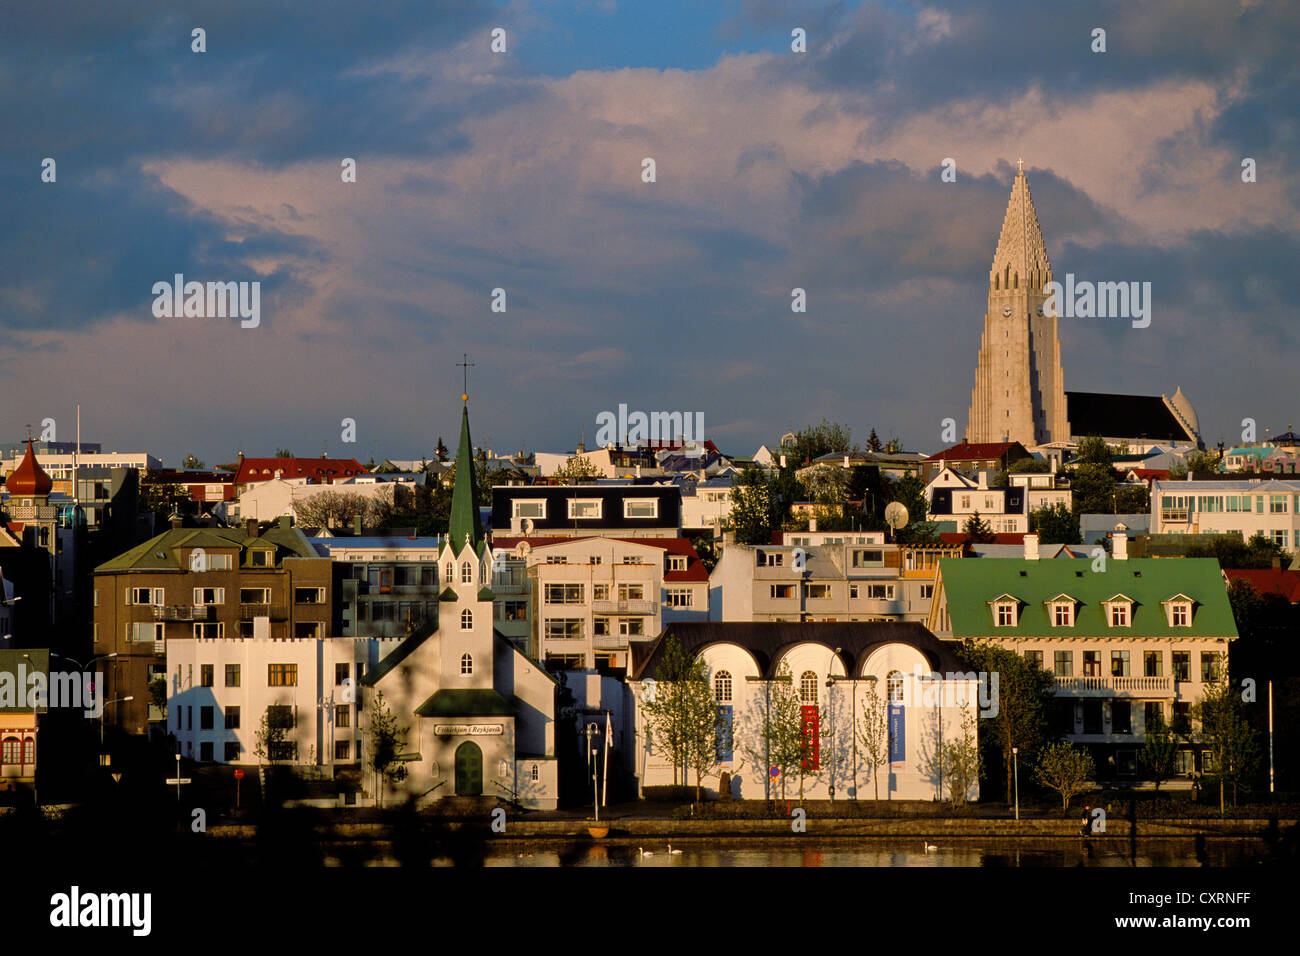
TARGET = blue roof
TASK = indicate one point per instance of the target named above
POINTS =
(375, 541)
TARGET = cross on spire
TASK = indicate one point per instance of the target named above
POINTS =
(1021, 164)
(465, 365)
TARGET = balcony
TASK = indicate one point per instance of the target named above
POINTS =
(184, 612)
(623, 607)
(1146, 687)
(509, 584)
(275, 612)
(610, 642)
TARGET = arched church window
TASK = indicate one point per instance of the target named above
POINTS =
(466, 573)
(467, 620)
(894, 687)
(466, 662)
(722, 687)
(808, 687)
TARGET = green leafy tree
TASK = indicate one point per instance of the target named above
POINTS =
(978, 529)
(1034, 466)
(283, 453)
(873, 733)
(1132, 499)
(682, 719)
(812, 442)
(873, 442)
(387, 738)
(576, 470)
(1024, 694)
(961, 760)
(1093, 486)
(190, 463)
(751, 508)
(1093, 450)
(1158, 757)
(707, 550)
(1227, 734)
(1055, 525)
(1232, 552)
(776, 718)
(1066, 769)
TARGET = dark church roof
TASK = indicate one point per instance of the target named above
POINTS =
(768, 640)
(1123, 416)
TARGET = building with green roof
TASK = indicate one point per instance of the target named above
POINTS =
(1128, 640)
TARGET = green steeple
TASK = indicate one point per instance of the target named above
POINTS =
(464, 496)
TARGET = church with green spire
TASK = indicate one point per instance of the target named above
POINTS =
(478, 713)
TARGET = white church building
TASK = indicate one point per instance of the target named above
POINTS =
(478, 714)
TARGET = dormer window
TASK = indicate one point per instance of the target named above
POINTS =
(1119, 610)
(1006, 611)
(1060, 610)
(1178, 610)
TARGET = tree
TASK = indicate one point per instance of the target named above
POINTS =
(706, 549)
(812, 442)
(1065, 769)
(1232, 552)
(1199, 462)
(1093, 450)
(283, 453)
(1093, 485)
(777, 740)
(1227, 733)
(1024, 693)
(682, 719)
(961, 760)
(386, 740)
(190, 463)
(873, 733)
(1132, 499)
(978, 529)
(1159, 754)
(893, 445)
(440, 452)
(327, 508)
(751, 508)
(1036, 466)
(873, 442)
(164, 500)
(576, 470)
(1055, 525)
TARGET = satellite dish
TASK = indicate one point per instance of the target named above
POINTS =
(896, 515)
(526, 525)
(522, 549)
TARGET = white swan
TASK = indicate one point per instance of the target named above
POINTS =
(643, 852)
(929, 847)
(673, 852)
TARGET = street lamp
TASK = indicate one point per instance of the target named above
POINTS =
(1015, 761)
(119, 700)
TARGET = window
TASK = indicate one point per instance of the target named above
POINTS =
(232, 751)
(631, 559)
(1180, 613)
(880, 592)
(209, 596)
(342, 750)
(782, 590)
(769, 559)
(1277, 504)
(206, 717)
(1153, 711)
(343, 715)
(429, 577)
(209, 632)
(600, 592)
(205, 751)
(534, 773)
(1121, 717)
(818, 592)
(676, 562)
(808, 687)
(466, 664)
(260, 557)
(557, 559)
(641, 508)
(601, 627)
(205, 675)
(1279, 537)
(1152, 665)
(254, 595)
(566, 661)
(927, 591)
(1119, 663)
(564, 628)
(868, 559)
(594, 559)
(282, 675)
(722, 687)
(563, 593)
(144, 596)
(529, 508)
(220, 562)
(679, 597)
(631, 626)
(308, 595)
(1092, 663)
(466, 573)
(1119, 614)
(514, 610)
(232, 718)
(631, 592)
(1004, 614)
(853, 592)
(341, 673)
(232, 675)
(1062, 614)
(894, 687)
(1063, 663)
(589, 508)
(306, 630)
(1209, 666)
(451, 572)
(1182, 665)
(1035, 658)
(467, 620)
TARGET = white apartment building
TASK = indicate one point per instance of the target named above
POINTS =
(1043, 490)
(592, 599)
(955, 498)
(1244, 508)
(706, 505)
(826, 576)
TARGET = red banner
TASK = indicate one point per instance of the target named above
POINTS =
(811, 731)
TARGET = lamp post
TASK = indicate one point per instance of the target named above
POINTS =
(119, 700)
(1015, 761)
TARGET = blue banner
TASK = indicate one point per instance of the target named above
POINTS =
(897, 741)
(724, 732)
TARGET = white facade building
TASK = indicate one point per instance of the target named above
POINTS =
(1244, 508)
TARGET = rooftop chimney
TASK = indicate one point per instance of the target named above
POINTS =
(1031, 547)
(812, 524)
(983, 479)
(1052, 464)
(846, 461)
(176, 522)
(250, 527)
(1119, 546)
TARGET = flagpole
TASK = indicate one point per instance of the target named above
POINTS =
(609, 743)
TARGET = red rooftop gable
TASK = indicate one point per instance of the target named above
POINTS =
(313, 469)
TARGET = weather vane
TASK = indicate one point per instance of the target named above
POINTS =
(465, 365)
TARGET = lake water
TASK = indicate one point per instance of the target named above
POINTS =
(863, 851)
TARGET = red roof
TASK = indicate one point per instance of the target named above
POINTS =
(963, 451)
(1150, 474)
(29, 478)
(1269, 581)
(1009, 537)
(314, 469)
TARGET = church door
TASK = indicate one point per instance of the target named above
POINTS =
(469, 770)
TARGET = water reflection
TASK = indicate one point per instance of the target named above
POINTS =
(1067, 852)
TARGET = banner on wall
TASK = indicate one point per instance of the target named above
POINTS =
(897, 737)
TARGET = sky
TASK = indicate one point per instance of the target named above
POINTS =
(522, 170)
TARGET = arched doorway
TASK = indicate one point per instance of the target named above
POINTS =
(469, 770)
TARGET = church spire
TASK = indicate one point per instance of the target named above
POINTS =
(465, 525)
(1021, 259)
